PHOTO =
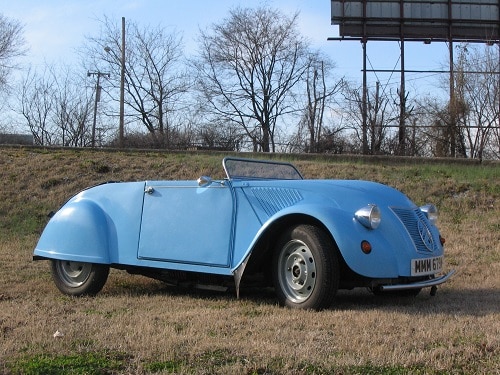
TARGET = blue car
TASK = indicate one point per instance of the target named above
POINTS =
(263, 224)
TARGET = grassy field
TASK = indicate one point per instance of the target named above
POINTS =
(141, 326)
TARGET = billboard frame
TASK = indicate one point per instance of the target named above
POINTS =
(472, 21)
(458, 20)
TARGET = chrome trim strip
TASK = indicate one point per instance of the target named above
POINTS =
(221, 184)
(419, 284)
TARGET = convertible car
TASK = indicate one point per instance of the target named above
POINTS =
(305, 238)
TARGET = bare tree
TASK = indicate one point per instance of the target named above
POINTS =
(12, 46)
(56, 107)
(248, 65)
(72, 112)
(155, 80)
(494, 147)
(222, 137)
(438, 136)
(318, 95)
(36, 103)
(380, 115)
(418, 138)
(477, 93)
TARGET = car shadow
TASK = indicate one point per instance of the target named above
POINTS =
(471, 302)
(454, 302)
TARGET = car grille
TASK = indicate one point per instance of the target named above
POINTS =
(417, 226)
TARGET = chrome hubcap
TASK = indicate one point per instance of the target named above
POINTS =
(74, 274)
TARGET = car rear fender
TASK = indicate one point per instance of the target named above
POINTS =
(79, 231)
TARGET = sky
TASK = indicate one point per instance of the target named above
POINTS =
(54, 29)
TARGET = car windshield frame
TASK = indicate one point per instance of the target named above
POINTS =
(244, 169)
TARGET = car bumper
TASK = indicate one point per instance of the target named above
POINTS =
(419, 284)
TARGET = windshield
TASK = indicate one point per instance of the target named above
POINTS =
(259, 169)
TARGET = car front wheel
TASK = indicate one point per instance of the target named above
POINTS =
(77, 278)
(306, 268)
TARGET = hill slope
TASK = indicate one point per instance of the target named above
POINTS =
(139, 326)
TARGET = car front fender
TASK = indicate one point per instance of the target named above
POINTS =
(80, 231)
(347, 234)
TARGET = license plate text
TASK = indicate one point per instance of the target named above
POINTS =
(426, 266)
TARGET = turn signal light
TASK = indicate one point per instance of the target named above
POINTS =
(366, 247)
(442, 240)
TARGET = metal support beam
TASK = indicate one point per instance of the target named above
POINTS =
(402, 88)
(365, 85)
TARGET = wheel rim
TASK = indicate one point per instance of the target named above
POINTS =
(74, 274)
(296, 271)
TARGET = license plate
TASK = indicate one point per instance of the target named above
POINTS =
(426, 266)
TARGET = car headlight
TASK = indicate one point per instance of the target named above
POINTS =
(431, 212)
(369, 216)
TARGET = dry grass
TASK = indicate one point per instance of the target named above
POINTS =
(137, 325)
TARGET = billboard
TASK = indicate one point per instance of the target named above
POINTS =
(461, 20)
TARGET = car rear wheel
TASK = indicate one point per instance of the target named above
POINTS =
(77, 278)
(306, 268)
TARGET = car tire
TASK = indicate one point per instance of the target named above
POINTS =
(79, 279)
(305, 268)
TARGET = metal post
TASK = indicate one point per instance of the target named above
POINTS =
(365, 104)
(402, 104)
(453, 104)
(365, 94)
(402, 93)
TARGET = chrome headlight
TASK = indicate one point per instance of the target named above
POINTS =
(431, 212)
(369, 216)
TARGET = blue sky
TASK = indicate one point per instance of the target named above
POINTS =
(55, 28)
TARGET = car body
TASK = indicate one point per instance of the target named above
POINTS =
(307, 237)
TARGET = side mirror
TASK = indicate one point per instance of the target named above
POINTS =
(204, 181)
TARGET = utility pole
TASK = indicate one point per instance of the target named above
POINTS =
(122, 87)
(121, 60)
(98, 74)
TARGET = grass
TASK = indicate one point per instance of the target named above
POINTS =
(81, 363)
(141, 326)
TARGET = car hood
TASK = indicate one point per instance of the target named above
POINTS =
(350, 194)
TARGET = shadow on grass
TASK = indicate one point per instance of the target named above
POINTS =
(473, 302)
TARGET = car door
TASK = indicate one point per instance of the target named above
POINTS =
(185, 223)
